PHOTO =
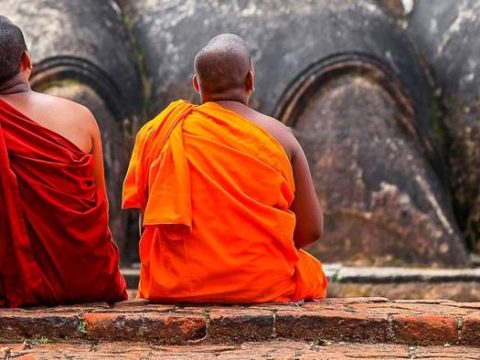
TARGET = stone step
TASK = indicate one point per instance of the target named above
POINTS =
(264, 350)
(372, 274)
(362, 320)
(390, 282)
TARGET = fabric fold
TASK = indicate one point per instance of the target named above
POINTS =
(216, 191)
(56, 246)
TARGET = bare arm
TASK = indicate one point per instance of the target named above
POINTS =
(98, 171)
(140, 223)
(309, 227)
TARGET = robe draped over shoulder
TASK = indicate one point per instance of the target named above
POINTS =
(55, 243)
(216, 190)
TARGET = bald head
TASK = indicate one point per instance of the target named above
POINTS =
(223, 64)
(12, 47)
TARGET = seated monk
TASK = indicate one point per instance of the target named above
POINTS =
(226, 195)
(55, 244)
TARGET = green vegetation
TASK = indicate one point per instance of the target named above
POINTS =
(40, 341)
(438, 128)
(139, 60)
(82, 327)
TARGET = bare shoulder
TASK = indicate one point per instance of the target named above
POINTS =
(69, 111)
(280, 131)
(67, 118)
(271, 125)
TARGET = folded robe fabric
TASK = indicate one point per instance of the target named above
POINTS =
(216, 190)
(55, 244)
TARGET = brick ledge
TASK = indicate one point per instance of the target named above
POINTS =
(357, 320)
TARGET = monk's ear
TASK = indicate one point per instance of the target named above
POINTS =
(195, 83)
(251, 81)
(26, 64)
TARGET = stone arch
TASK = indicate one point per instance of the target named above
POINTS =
(59, 68)
(383, 200)
(321, 71)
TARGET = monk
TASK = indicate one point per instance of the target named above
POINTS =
(226, 195)
(55, 244)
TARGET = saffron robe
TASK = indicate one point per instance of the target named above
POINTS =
(55, 244)
(216, 190)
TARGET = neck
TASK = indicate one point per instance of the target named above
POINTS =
(235, 96)
(17, 84)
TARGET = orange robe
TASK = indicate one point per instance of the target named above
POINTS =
(216, 191)
(55, 244)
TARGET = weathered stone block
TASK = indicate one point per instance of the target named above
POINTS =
(19, 325)
(236, 325)
(331, 325)
(470, 331)
(147, 326)
(425, 329)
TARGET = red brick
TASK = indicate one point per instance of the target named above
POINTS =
(434, 309)
(470, 331)
(424, 329)
(465, 305)
(69, 308)
(24, 324)
(353, 300)
(132, 302)
(360, 320)
(146, 326)
(336, 325)
(424, 301)
(133, 308)
(237, 325)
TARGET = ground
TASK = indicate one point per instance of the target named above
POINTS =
(260, 350)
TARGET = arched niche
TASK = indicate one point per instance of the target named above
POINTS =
(87, 37)
(383, 201)
(59, 68)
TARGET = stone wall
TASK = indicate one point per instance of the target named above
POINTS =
(383, 95)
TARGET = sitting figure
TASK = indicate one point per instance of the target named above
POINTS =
(55, 243)
(225, 194)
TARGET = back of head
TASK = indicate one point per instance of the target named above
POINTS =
(223, 64)
(12, 47)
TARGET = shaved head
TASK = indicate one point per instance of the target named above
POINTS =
(223, 64)
(12, 47)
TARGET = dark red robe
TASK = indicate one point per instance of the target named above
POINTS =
(55, 244)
